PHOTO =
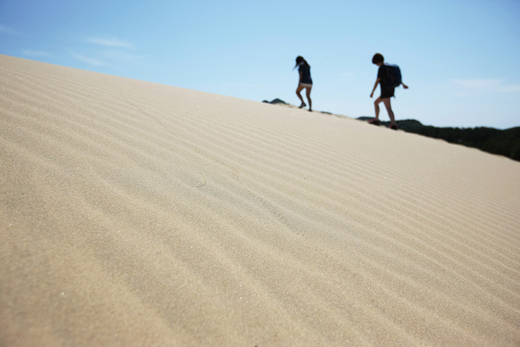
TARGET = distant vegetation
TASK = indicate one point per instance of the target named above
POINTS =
(275, 101)
(504, 142)
(281, 102)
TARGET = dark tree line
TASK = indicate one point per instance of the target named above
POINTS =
(504, 142)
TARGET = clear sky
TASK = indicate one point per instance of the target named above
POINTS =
(460, 58)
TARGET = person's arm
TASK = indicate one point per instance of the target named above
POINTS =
(301, 76)
(375, 86)
(404, 85)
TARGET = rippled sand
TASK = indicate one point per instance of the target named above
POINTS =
(138, 214)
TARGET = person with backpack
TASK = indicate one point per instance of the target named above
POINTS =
(305, 80)
(388, 77)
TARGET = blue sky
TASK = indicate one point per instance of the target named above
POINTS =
(460, 58)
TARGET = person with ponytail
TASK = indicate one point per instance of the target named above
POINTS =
(305, 81)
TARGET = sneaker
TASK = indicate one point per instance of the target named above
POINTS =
(374, 121)
(393, 127)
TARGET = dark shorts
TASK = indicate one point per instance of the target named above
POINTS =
(387, 92)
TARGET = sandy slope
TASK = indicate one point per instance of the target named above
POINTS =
(137, 214)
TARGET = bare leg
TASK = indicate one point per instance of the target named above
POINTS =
(376, 106)
(388, 106)
(308, 92)
(298, 90)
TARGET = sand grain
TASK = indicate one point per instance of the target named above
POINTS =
(133, 213)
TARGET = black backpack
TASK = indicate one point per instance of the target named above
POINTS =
(393, 76)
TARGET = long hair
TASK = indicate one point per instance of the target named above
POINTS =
(300, 60)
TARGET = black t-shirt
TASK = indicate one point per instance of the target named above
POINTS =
(381, 74)
(306, 77)
(386, 92)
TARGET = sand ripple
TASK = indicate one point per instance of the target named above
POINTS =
(140, 214)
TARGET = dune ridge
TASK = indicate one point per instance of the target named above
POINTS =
(133, 213)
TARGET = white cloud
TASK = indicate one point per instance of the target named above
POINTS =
(88, 60)
(109, 42)
(32, 53)
(110, 51)
(8, 30)
(486, 85)
(510, 88)
(121, 56)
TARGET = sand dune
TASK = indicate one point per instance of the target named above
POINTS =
(138, 214)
